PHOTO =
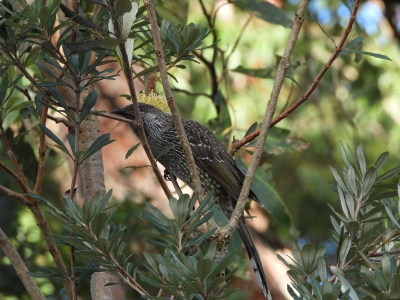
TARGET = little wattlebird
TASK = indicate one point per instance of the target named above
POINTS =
(217, 170)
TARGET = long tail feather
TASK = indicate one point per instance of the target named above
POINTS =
(254, 257)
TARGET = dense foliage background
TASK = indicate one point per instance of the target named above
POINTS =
(356, 102)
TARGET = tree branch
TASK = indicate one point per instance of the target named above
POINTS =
(20, 267)
(170, 98)
(307, 94)
(12, 194)
(129, 78)
(12, 173)
(42, 153)
(280, 76)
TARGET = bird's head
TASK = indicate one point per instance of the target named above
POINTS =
(128, 112)
(148, 104)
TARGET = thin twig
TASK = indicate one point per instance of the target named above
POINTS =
(378, 254)
(191, 93)
(307, 94)
(12, 173)
(42, 153)
(12, 194)
(129, 78)
(23, 91)
(20, 267)
(280, 76)
(170, 98)
(172, 177)
(138, 78)
(66, 122)
(239, 36)
(210, 64)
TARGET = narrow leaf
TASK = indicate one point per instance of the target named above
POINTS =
(99, 143)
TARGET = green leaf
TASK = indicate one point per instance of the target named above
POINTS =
(79, 19)
(369, 180)
(317, 288)
(85, 46)
(344, 249)
(361, 160)
(355, 43)
(322, 271)
(338, 179)
(222, 264)
(151, 263)
(99, 143)
(89, 209)
(111, 43)
(146, 71)
(265, 11)
(382, 159)
(204, 266)
(88, 104)
(180, 208)
(121, 7)
(389, 174)
(252, 128)
(392, 217)
(131, 150)
(345, 283)
(343, 202)
(376, 55)
(344, 155)
(53, 137)
(351, 180)
(271, 200)
(59, 98)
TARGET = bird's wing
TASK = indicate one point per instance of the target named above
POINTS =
(211, 156)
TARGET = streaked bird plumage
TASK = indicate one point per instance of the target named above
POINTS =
(217, 169)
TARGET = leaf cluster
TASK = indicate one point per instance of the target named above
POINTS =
(92, 233)
(186, 269)
(366, 232)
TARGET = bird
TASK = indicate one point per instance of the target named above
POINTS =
(217, 169)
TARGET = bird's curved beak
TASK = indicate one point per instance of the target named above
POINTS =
(119, 111)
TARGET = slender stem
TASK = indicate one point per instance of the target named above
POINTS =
(280, 76)
(175, 184)
(20, 267)
(24, 91)
(307, 94)
(42, 153)
(210, 64)
(12, 194)
(191, 93)
(73, 181)
(12, 173)
(67, 123)
(378, 254)
(139, 125)
(239, 37)
(170, 98)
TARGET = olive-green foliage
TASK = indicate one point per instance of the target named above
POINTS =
(366, 233)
